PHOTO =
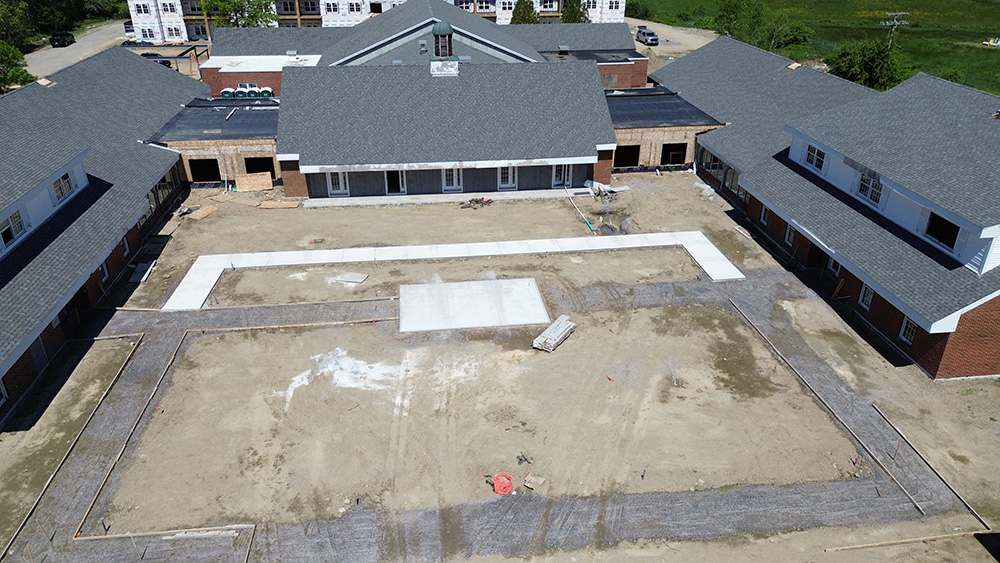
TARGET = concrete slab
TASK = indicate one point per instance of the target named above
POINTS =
(475, 304)
(196, 286)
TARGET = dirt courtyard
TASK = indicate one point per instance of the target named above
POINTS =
(303, 419)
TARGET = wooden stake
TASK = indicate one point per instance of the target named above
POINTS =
(44, 533)
(139, 555)
(27, 548)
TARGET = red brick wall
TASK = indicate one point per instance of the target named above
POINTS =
(294, 181)
(972, 348)
(632, 75)
(602, 170)
(17, 379)
(53, 339)
(219, 80)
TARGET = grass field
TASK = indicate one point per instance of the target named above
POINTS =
(942, 35)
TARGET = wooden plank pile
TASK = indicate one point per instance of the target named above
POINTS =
(555, 334)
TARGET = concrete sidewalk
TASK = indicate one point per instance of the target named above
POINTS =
(196, 286)
(424, 199)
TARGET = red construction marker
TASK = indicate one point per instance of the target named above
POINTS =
(609, 377)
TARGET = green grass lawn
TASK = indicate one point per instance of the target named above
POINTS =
(941, 35)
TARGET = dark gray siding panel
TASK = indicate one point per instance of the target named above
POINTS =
(534, 177)
(423, 182)
(316, 184)
(579, 174)
(366, 183)
(479, 180)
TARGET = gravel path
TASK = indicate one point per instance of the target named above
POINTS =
(513, 526)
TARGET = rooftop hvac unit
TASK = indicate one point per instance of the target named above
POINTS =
(228, 92)
(267, 92)
(241, 93)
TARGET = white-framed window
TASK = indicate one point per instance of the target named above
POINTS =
(465, 5)
(815, 157)
(561, 176)
(194, 7)
(485, 6)
(147, 33)
(142, 8)
(908, 331)
(168, 8)
(833, 266)
(870, 188)
(549, 5)
(354, 7)
(865, 299)
(507, 178)
(614, 5)
(310, 6)
(332, 8)
(287, 6)
(764, 213)
(451, 180)
(199, 30)
(11, 228)
(591, 4)
(789, 235)
(62, 186)
(336, 184)
(507, 5)
(103, 269)
(173, 31)
(126, 249)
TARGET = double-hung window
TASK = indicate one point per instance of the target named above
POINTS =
(908, 331)
(865, 299)
(815, 157)
(332, 8)
(62, 186)
(11, 228)
(870, 188)
(354, 7)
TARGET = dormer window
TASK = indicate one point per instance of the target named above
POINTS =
(942, 231)
(11, 228)
(62, 186)
(815, 157)
(870, 188)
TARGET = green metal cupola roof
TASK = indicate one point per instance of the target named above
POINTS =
(441, 28)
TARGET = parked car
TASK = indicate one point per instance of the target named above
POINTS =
(646, 36)
(62, 39)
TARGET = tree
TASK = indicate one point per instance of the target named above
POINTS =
(524, 12)
(12, 65)
(241, 13)
(574, 11)
(751, 21)
(638, 9)
(14, 25)
(868, 62)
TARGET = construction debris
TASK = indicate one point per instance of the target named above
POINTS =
(555, 334)
(531, 481)
(279, 205)
(350, 277)
(223, 197)
(203, 212)
(521, 458)
(477, 202)
(258, 182)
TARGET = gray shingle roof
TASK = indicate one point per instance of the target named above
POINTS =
(107, 102)
(758, 95)
(262, 41)
(371, 32)
(932, 136)
(402, 114)
(546, 37)
(653, 107)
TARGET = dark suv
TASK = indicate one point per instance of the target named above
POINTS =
(62, 39)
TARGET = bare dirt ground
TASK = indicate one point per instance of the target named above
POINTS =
(607, 429)
(35, 440)
(674, 41)
(667, 203)
(303, 419)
